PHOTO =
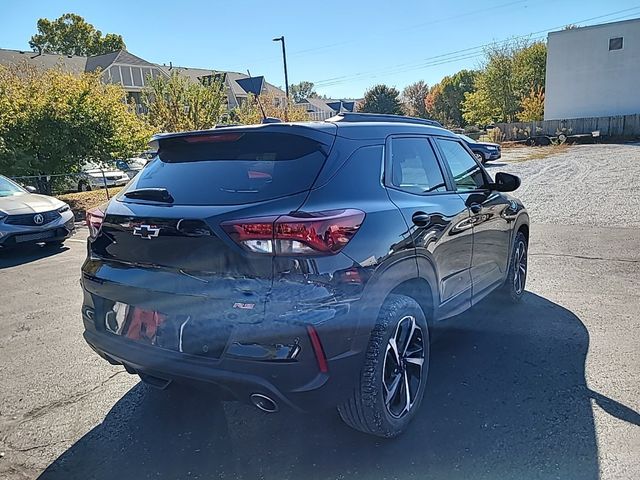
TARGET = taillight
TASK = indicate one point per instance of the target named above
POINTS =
(94, 218)
(302, 234)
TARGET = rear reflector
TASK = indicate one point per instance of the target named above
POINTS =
(317, 349)
(300, 234)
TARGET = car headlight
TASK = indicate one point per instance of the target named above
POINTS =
(491, 148)
(64, 208)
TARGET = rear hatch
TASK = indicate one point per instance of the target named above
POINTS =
(169, 253)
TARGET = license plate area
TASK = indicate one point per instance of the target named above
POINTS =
(182, 333)
(35, 236)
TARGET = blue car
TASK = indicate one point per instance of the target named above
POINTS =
(484, 151)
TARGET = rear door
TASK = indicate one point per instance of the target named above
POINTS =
(176, 257)
(437, 218)
(492, 229)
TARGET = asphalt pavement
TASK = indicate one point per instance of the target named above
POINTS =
(545, 389)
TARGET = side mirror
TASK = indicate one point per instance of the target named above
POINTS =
(31, 189)
(505, 182)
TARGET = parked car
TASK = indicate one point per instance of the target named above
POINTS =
(131, 166)
(26, 217)
(484, 151)
(94, 176)
(273, 263)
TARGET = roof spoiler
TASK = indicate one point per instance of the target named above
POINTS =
(381, 117)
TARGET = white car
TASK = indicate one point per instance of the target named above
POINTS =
(26, 217)
(93, 176)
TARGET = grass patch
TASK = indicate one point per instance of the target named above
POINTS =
(82, 201)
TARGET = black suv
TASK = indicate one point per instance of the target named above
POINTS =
(300, 264)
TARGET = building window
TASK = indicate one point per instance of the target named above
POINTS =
(615, 43)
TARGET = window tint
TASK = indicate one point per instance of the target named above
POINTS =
(414, 167)
(233, 168)
(466, 172)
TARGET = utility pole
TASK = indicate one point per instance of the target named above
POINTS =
(286, 77)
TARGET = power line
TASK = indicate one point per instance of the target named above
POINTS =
(455, 56)
(297, 53)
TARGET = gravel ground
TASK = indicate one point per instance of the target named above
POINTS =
(579, 185)
(547, 389)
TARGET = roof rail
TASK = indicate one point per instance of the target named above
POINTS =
(380, 117)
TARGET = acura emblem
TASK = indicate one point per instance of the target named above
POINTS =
(38, 219)
(146, 231)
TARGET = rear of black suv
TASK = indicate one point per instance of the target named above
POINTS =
(226, 261)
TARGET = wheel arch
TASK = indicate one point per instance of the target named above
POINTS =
(419, 290)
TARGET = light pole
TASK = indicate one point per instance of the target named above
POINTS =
(286, 77)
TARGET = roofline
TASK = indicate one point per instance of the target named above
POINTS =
(591, 27)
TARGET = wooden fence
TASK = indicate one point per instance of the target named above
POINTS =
(618, 126)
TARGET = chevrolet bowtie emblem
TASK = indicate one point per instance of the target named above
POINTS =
(146, 231)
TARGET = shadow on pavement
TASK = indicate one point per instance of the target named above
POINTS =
(506, 398)
(14, 257)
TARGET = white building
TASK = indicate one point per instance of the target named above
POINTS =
(593, 71)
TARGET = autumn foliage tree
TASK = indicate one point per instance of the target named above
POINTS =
(53, 121)
(532, 106)
(511, 72)
(444, 101)
(177, 103)
(413, 99)
(249, 112)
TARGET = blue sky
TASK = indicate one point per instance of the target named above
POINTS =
(343, 46)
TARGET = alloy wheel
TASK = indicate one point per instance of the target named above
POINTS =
(402, 370)
(520, 266)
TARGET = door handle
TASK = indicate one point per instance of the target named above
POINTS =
(475, 208)
(421, 219)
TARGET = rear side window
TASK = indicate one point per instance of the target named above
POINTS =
(467, 175)
(233, 168)
(414, 167)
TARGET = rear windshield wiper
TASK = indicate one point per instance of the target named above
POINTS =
(153, 194)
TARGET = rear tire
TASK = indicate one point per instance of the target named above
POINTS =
(514, 285)
(84, 186)
(394, 375)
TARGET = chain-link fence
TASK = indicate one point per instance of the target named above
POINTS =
(59, 184)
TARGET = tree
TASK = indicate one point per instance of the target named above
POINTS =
(532, 106)
(529, 69)
(249, 113)
(302, 90)
(413, 99)
(177, 103)
(444, 102)
(70, 34)
(381, 99)
(510, 73)
(53, 121)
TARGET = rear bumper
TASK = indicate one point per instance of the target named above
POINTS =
(240, 378)
(298, 384)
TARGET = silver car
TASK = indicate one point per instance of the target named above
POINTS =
(94, 176)
(26, 217)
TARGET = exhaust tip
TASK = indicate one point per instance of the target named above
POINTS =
(264, 403)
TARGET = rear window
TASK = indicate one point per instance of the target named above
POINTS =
(233, 168)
